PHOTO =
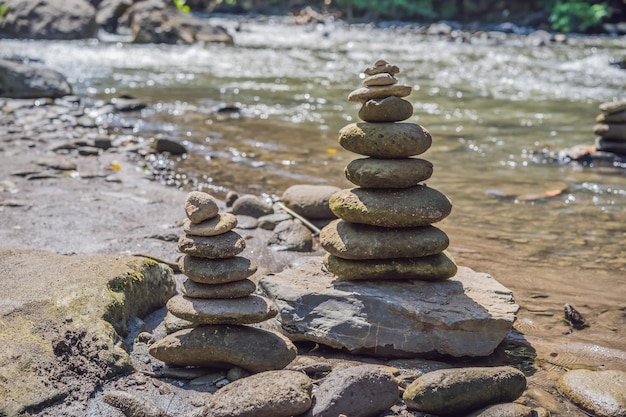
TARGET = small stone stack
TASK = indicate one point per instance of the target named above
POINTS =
(217, 297)
(611, 127)
(385, 227)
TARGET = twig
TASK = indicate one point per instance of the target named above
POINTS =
(307, 223)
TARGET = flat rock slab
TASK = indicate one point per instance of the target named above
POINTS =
(467, 315)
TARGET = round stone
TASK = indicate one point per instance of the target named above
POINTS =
(389, 109)
(226, 245)
(382, 78)
(361, 95)
(245, 310)
(216, 271)
(428, 268)
(250, 348)
(200, 206)
(403, 207)
(310, 201)
(236, 289)
(361, 241)
(388, 173)
(385, 140)
(218, 225)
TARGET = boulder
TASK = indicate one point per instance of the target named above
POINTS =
(310, 201)
(55, 20)
(19, 80)
(385, 140)
(459, 391)
(467, 315)
(600, 393)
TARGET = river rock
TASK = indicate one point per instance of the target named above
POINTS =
(383, 78)
(245, 310)
(405, 207)
(360, 241)
(234, 289)
(505, 410)
(364, 391)
(428, 268)
(218, 225)
(251, 205)
(266, 394)
(309, 201)
(388, 109)
(459, 391)
(388, 173)
(382, 66)
(467, 315)
(607, 145)
(222, 246)
(200, 206)
(270, 221)
(169, 145)
(600, 393)
(611, 107)
(611, 131)
(254, 349)
(50, 20)
(216, 271)
(619, 117)
(385, 140)
(363, 94)
(31, 81)
(291, 235)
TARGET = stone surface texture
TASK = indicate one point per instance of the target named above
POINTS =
(600, 393)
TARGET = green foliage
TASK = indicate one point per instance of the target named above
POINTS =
(4, 9)
(577, 15)
(180, 5)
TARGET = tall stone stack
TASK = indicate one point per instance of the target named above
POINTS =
(611, 127)
(384, 230)
(218, 297)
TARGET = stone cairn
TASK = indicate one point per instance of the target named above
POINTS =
(384, 230)
(611, 127)
(217, 299)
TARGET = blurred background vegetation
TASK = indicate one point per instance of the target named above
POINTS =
(584, 16)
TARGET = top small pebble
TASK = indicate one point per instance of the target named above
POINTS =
(200, 206)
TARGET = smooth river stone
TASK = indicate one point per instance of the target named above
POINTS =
(200, 206)
(600, 393)
(385, 140)
(254, 349)
(236, 289)
(216, 271)
(382, 78)
(361, 241)
(402, 207)
(218, 225)
(361, 95)
(427, 268)
(245, 310)
(388, 173)
(389, 109)
(611, 131)
(226, 245)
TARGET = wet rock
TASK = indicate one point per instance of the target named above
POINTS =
(200, 206)
(291, 235)
(169, 145)
(234, 289)
(218, 225)
(250, 205)
(250, 348)
(244, 310)
(388, 173)
(460, 391)
(388, 109)
(467, 315)
(216, 271)
(360, 241)
(364, 391)
(406, 207)
(267, 394)
(19, 80)
(385, 140)
(600, 393)
(35, 19)
(310, 201)
(109, 12)
(222, 246)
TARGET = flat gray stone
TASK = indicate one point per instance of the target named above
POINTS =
(388, 173)
(600, 393)
(218, 225)
(467, 315)
(200, 206)
(291, 235)
(382, 66)
(388, 109)
(383, 78)
(310, 201)
(234, 289)
(222, 246)
(385, 140)
(216, 271)
(251, 205)
(244, 310)
(361, 95)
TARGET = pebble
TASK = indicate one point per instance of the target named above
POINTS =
(360, 241)
(169, 145)
(216, 271)
(385, 140)
(200, 206)
(220, 224)
(250, 205)
(388, 173)
(234, 289)
(244, 310)
(222, 246)
(600, 393)
(309, 201)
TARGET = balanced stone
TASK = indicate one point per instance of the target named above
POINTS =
(619, 117)
(388, 173)
(404, 207)
(250, 309)
(428, 268)
(388, 109)
(361, 95)
(612, 107)
(234, 289)
(216, 271)
(382, 66)
(218, 225)
(360, 241)
(200, 206)
(614, 146)
(385, 140)
(382, 78)
(611, 131)
(250, 348)
(226, 245)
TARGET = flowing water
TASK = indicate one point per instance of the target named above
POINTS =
(553, 232)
